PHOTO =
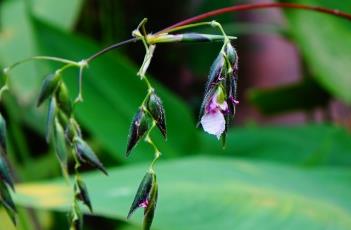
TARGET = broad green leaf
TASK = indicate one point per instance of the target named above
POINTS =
(306, 95)
(18, 41)
(215, 193)
(112, 94)
(323, 40)
(305, 145)
(62, 13)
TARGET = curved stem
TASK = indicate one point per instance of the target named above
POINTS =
(109, 48)
(246, 7)
(57, 59)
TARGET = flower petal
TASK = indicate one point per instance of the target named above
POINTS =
(213, 123)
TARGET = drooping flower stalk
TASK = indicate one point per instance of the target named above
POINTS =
(217, 110)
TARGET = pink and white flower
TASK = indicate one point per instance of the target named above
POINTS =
(213, 120)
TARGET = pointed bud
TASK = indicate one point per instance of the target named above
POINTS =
(63, 100)
(59, 142)
(138, 129)
(231, 54)
(7, 202)
(3, 148)
(143, 196)
(82, 193)
(76, 219)
(48, 87)
(149, 211)
(155, 107)
(50, 123)
(5, 175)
(72, 130)
(87, 155)
(216, 73)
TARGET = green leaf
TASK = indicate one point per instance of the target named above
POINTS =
(18, 35)
(52, 11)
(323, 40)
(304, 145)
(305, 95)
(112, 93)
(214, 193)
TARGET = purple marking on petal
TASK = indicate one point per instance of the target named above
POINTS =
(144, 204)
(213, 123)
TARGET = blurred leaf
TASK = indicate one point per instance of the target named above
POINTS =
(306, 95)
(17, 43)
(309, 145)
(63, 13)
(323, 40)
(17, 39)
(229, 193)
(112, 93)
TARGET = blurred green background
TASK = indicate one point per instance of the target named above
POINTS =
(287, 164)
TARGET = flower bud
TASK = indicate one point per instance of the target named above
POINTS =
(48, 87)
(50, 122)
(76, 219)
(3, 146)
(216, 73)
(59, 142)
(149, 211)
(5, 175)
(7, 202)
(63, 100)
(146, 197)
(138, 129)
(155, 107)
(87, 155)
(81, 192)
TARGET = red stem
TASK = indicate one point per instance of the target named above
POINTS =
(257, 6)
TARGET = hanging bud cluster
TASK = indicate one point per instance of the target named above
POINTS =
(64, 132)
(151, 113)
(220, 99)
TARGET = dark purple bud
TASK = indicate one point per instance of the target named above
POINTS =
(216, 73)
(5, 175)
(63, 100)
(82, 194)
(7, 202)
(138, 128)
(48, 87)
(50, 122)
(150, 208)
(143, 198)
(3, 146)
(155, 107)
(87, 155)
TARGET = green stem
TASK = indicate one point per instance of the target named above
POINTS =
(56, 59)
